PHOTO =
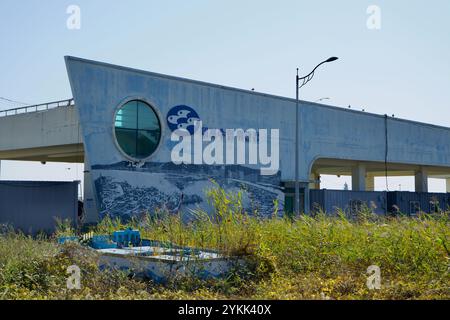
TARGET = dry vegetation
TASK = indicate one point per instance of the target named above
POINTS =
(304, 258)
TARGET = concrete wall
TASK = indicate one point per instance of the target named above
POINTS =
(325, 132)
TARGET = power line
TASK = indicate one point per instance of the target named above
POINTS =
(13, 101)
(6, 103)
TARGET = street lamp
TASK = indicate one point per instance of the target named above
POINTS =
(304, 80)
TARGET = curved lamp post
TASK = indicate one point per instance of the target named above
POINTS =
(304, 80)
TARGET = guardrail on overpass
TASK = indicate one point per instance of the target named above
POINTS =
(37, 108)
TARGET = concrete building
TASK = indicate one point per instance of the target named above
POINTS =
(122, 120)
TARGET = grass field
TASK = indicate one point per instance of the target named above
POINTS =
(303, 258)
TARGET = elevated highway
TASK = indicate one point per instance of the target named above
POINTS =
(47, 133)
(50, 132)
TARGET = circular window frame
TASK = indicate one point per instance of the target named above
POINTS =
(158, 116)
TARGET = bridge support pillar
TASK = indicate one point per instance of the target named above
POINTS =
(314, 181)
(370, 183)
(359, 178)
(421, 180)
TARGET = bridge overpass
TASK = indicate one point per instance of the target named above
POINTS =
(51, 132)
(47, 132)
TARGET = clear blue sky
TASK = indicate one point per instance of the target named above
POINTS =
(401, 69)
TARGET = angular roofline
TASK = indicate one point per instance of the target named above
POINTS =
(208, 84)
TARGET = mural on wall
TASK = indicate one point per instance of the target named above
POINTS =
(124, 188)
(128, 189)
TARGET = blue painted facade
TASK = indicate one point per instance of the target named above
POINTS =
(123, 188)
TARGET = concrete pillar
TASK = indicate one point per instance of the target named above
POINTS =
(421, 180)
(370, 183)
(315, 178)
(317, 184)
(447, 181)
(359, 178)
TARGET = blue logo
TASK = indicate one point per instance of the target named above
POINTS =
(182, 117)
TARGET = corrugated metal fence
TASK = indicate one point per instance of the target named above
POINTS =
(408, 203)
(33, 207)
(330, 201)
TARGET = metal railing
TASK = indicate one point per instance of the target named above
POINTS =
(37, 108)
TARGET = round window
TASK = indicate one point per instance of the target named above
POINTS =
(137, 129)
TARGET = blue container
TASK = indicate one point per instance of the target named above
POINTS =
(126, 238)
(102, 242)
(62, 240)
(412, 203)
(350, 202)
